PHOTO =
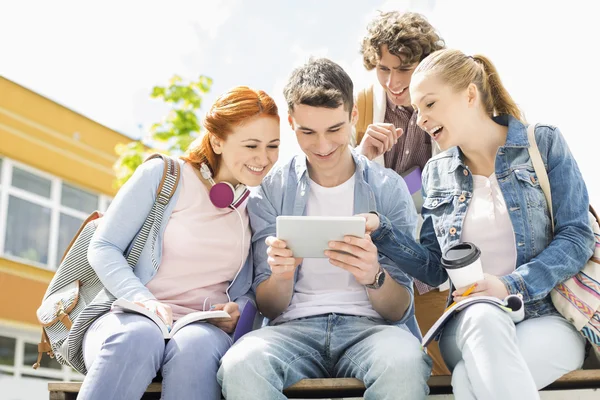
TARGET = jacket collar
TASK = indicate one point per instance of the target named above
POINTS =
(517, 131)
(515, 138)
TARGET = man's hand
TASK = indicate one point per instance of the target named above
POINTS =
(226, 324)
(490, 286)
(361, 259)
(163, 311)
(378, 139)
(281, 260)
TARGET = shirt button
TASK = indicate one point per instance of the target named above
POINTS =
(453, 231)
(532, 179)
(465, 172)
(407, 152)
(462, 198)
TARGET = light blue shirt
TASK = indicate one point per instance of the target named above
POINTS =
(285, 191)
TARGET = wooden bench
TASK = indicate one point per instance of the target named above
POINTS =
(347, 387)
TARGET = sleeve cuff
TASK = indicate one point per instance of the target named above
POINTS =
(384, 226)
(260, 279)
(515, 284)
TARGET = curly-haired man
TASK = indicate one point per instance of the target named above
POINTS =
(394, 45)
(387, 131)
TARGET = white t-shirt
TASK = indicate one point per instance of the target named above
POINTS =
(323, 288)
(487, 225)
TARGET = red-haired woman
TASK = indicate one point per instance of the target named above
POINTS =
(202, 250)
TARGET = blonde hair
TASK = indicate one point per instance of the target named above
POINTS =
(459, 70)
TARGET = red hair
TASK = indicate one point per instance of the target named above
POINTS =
(229, 110)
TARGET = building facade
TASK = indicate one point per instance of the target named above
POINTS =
(55, 169)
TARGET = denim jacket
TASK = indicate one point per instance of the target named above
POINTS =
(122, 223)
(285, 191)
(543, 261)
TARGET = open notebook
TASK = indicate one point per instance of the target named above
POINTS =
(512, 304)
(244, 324)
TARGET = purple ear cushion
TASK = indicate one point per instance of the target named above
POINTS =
(221, 195)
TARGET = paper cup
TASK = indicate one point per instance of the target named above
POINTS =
(463, 264)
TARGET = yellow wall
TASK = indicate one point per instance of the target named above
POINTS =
(39, 132)
(50, 137)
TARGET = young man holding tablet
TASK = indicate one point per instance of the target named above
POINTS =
(348, 314)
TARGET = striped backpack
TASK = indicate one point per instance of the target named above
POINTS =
(578, 298)
(75, 297)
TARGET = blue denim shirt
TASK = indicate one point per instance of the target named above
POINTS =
(285, 192)
(542, 261)
(122, 223)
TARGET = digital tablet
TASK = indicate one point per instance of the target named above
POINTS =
(308, 237)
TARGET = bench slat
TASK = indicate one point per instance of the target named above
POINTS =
(350, 387)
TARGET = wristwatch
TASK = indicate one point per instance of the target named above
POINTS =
(379, 279)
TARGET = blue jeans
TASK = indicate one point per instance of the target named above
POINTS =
(123, 353)
(387, 358)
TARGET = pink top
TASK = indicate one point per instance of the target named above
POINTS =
(201, 250)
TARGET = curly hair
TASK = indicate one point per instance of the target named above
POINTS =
(408, 36)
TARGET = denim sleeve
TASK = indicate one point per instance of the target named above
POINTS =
(573, 239)
(119, 226)
(263, 217)
(420, 260)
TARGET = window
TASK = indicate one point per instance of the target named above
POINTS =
(31, 183)
(7, 350)
(27, 230)
(18, 353)
(78, 199)
(40, 214)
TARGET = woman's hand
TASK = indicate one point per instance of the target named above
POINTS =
(226, 324)
(491, 285)
(163, 311)
(372, 222)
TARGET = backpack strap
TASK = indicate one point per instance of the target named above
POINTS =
(364, 103)
(166, 189)
(540, 169)
(43, 347)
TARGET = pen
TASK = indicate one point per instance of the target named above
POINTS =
(466, 293)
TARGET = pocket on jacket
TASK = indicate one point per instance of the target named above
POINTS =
(529, 183)
(439, 207)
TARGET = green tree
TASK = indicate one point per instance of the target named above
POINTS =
(174, 133)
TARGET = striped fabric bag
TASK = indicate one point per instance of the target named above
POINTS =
(577, 299)
(75, 297)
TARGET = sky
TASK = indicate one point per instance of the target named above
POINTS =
(102, 58)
